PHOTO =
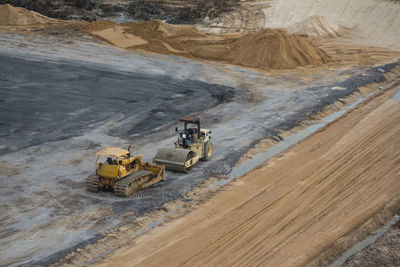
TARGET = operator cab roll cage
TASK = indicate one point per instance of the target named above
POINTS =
(190, 120)
(114, 159)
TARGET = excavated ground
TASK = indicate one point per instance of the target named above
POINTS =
(98, 95)
(47, 212)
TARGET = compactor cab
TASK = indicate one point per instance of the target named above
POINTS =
(190, 136)
(193, 144)
(122, 173)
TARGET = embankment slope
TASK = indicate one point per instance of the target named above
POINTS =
(370, 22)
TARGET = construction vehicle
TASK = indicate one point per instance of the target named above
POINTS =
(193, 144)
(123, 173)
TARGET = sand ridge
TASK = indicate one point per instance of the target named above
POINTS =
(17, 16)
(268, 48)
(98, 26)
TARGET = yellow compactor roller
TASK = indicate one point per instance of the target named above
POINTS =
(193, 144)
(123, 173)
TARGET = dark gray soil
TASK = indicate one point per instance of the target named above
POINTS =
(41, 102)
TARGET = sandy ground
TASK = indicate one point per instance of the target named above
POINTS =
(287, 211)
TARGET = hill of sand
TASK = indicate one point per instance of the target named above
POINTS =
(16, 16)
(98, 26)
(268, 48)
(156, 29)
(275, 49)
(316, 26)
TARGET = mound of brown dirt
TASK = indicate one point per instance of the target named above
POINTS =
(156, 29)
(316, 26)
(272, 48)
(269, 48)
(98, 26)
(17, 16)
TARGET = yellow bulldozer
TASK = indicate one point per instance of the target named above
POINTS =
(193, 144)
(123, 173)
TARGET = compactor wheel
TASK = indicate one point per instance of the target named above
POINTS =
(190, 155)
(92, 183)
(208, 151)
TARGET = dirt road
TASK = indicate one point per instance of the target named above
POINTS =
(287, 211)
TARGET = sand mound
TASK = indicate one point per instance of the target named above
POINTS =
(98, 26)
(17, 16)
(156, 29)
(275, 49)
(316, 26)
(269, 48)
(118, 37)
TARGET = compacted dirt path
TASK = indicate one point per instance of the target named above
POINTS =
(292, 208)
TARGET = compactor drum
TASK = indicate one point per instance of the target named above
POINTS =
(122, 173)
(193, 144)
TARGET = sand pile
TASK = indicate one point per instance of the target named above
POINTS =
(17, 16)
(269, 48)
(156, 29)
(275, 49)
(98, 26)
(316, 26)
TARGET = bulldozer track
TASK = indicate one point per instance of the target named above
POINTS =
(92, 183)
(140, 195)
(152, 193)
(133, 183)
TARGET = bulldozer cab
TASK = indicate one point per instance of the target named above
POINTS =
(118, 162)
(115, 156)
